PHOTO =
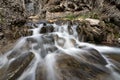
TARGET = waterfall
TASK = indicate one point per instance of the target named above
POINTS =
(54, 52)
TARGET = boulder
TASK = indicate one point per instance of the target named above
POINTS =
(70, 68)
(17, 66)
(93, 21)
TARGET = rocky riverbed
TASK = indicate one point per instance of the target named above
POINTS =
(95, 22)
(15, 14)
(56, 51)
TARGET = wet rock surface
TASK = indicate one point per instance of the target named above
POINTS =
(17, 13)
(91, 21)
(56, 54)
(68, 66)
(16, 67)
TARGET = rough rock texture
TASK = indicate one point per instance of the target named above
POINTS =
(88, 65)
(68, 66)
(15, 13)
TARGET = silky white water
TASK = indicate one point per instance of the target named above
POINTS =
(45, 48)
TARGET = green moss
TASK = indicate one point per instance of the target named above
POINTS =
(117, 35)
(115, 31)
(2, 19)
(89, 15)
(70, 17)
(110, 25)
(92, 14)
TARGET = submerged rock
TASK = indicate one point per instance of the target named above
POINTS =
(53, 51)
(17, 66)
(70, 68)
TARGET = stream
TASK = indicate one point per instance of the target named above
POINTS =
(55, 52)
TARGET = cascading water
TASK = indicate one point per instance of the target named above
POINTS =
(54, 52)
